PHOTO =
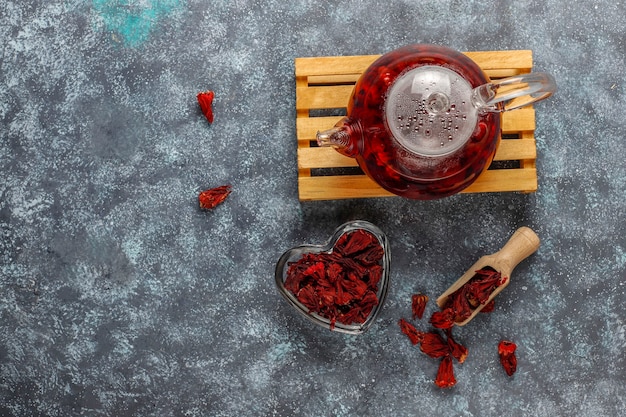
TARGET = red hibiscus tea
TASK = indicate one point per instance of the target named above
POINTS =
(402, 145)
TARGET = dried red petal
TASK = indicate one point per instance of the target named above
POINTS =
(445, 374)
(340, 288)
(354, 285)
(508, 360)
(412, 333)
(309, 298)
(480, 287)
(509, 363)
(343, 297)
(317, 271)
(506, 347)
(375, 274)
(353, 315)
(434, 345)
(443, 319)
(212, 197)
(334, 271)
(489, 307)
(369, 300)
(357, 241)
(327, 296)
(205, 100)
(458, 351)
(418, 305)
(371, 255)
(459, 304)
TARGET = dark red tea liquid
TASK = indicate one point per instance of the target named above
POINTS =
(395, 167)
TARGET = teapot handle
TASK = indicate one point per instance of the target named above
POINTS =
(513, 92)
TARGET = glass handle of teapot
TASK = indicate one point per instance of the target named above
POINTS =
(513, 92)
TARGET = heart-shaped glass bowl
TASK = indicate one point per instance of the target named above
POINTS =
(296, 253)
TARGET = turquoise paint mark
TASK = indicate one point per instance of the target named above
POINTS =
(133, 20)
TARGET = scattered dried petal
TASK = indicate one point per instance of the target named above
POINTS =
(211, 198)
(506, 350)
(442, 319)
(418, 305)
(445, 374)
(506, 347)
(434, 345)
(205, 99)
(458, 351)
(412, 333)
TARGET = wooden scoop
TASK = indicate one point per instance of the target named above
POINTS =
(520, 246)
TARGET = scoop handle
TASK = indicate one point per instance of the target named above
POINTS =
(520, 246)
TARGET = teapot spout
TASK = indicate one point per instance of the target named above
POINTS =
(343, 137)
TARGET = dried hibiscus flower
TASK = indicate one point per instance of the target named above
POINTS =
(442, 319)
(480, 287)
(489, 307)
(458, 351)
(410, 331)
(341, 285)
(434, 345)
(205, 100)
(506, 350)
(418, 305)
(445, 375)
(458, 307)
(461, 304)
(212, 197)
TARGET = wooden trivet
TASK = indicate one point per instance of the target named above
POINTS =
(323, 88)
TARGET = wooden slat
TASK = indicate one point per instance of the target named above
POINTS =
(323, 158)
(497, 60)
(323, 97)
(307, 128)
(520, 120)
(361, 186)
(355, 64)
(516, 149)
(521, 60)
(515, 121)
(339, 187)
(509, 150)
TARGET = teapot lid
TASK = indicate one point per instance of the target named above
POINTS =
(429, 110)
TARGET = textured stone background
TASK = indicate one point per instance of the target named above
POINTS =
(119, 297)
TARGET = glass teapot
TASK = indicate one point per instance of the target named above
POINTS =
(424, 120)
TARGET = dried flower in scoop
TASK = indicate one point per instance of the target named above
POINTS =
(489, 307)
(480, 287)
(205, 100)
(471, 295)
(209, 199)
